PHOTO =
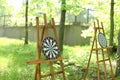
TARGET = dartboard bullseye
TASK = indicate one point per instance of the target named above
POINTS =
(50, 48)
(102, 40)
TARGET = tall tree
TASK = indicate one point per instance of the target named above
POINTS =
(118, 57)
(62, 24)
(111, 25)
(26, 23)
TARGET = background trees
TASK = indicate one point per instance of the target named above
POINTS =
(111, 24)
(100, 9)
(118, 56)
(26, 23)
(62, 24)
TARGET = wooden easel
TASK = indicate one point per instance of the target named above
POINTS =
(44, 33)
(96, 47)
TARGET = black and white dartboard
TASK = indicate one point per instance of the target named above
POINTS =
(50, 48)
(102, 40)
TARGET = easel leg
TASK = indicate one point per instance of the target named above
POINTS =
(104, 65)
(63, 72)
(87, 66)
(37, 72)
(51, 70)
(110, 64)
(98, 65)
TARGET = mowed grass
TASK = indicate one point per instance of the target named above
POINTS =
(14, 55)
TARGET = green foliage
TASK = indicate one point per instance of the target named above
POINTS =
(5, 8)
(43, 6)
(117, 78)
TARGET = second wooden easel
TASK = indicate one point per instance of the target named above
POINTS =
(44, 33)
(97, 48)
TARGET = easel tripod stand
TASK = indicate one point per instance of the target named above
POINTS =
(40, 36)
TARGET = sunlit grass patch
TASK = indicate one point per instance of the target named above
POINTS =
(4, 63)
(7, 41)
(76, 53)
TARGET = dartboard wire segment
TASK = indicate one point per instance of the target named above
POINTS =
(50, 48)
(102, 40)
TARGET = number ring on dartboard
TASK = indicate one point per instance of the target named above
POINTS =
(50, 48)
(102, 40)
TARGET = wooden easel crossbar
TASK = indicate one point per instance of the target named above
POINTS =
(96, 47)
(40, 36)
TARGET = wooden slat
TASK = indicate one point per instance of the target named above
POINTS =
(42, 26)
(42, 61)
(102, 48)
(98, 28)
(103, 60)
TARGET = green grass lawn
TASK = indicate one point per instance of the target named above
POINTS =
(14, 55)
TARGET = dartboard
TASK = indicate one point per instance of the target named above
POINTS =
(50, 48)
(102, 40)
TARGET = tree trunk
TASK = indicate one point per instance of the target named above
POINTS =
(118, 56)
(26, 23)
(62, 24)
(111, 25)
